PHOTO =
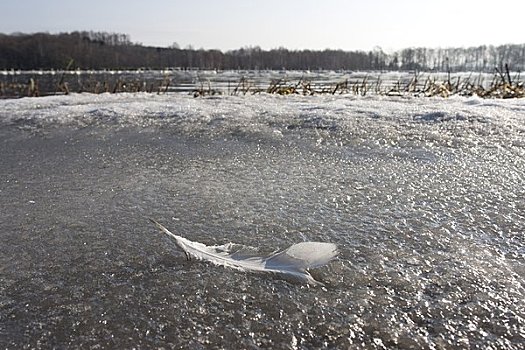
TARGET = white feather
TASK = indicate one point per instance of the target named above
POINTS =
(294, 261)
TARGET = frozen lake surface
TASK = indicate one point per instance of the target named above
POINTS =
(424, 198)
(18, 83)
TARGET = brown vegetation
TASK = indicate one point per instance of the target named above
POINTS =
(502, 86)
(422, 85)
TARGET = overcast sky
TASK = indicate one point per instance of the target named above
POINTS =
(294, 24)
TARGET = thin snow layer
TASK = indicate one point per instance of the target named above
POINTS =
(393, 121)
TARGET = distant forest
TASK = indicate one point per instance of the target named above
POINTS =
(101, 50)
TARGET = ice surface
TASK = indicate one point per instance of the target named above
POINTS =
(455, 121)
(425, 199)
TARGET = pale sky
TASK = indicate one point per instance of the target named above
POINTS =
(294, 24)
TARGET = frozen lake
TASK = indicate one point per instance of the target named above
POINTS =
(16, 83)
(424, 197)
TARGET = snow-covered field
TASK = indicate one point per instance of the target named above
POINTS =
(423, 196)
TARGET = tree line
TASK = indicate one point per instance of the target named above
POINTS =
(101, 50)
